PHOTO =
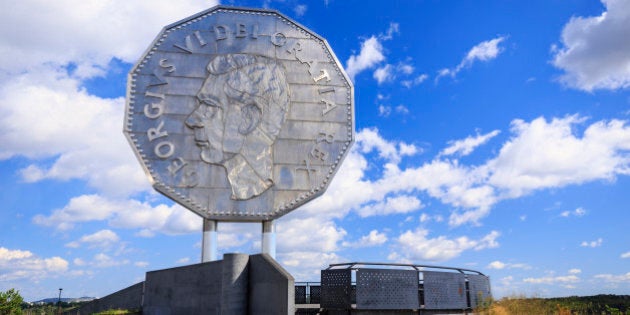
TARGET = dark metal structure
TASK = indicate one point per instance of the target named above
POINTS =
(383, 286)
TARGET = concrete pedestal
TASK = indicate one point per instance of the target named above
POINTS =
(237, 285)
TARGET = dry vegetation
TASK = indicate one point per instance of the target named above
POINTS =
(600, 304)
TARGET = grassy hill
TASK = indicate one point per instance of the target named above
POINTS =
(597, 304)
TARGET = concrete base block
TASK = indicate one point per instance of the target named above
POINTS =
(237, 285)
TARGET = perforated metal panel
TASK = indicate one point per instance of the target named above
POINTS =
(316, 294)
(444, 290)
(385, 289)
(300, 294)
(479, 288)
(336, 288)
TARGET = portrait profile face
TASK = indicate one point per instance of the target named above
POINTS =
(241, 108)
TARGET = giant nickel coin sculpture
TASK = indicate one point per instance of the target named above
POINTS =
(239, 114)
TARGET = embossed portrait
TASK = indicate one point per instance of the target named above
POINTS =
(242, 106)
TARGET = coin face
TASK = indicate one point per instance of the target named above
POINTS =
(239, 114)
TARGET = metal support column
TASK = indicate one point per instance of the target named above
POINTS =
(209, 241)
(269, 238)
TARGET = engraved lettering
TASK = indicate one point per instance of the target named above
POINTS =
(153, 110)
(176, 165)
(189, 178)
(255, 31)
(329, 106)
(169, 66)
(155, 133)
(324, 137)
(188, 42)
(323, 75)
(278, 39)
(221, 32)
(297, 46)
(317, 153)
(241, 30)
(156, 79)
(200, 39)
(159, 149)
(148, 93)
(307, 167)
(186, 49)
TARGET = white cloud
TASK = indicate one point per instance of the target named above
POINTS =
(391, 205)
(369, 139)
(416, 81)
(384, 111)
(102, 260)
(416, 246)
(614, 278)
(593, 244)
(549, 154)
(141, 264)
(579, 212)
(87, 34)
(402, 109)
(182, 261)
(384, 74)
(466, 146)
(309, 234)
(560, 280)
(370, 55)
(22, 264)
(103, 238)
(122, 214)
(625, 255)
(484, 51)
(48, 116)
(394, 28)
(374, 238)
(306, 265)
(594, 49)
(575, 271)
(501, 265)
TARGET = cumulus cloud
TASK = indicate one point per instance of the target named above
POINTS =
(391, 205)
(22, 264)
(625, 255)
(417, 246)
(549, 154)
(466, 146)
(370, 55)
(67, 133)
(103, 238)
(86, 34)
(374, 238)
(121, 214)
(484, 51)
(594, 50)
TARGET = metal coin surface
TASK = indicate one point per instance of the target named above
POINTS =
(239, 114)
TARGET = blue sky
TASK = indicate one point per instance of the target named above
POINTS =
(491, 135)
